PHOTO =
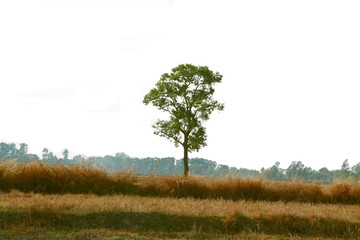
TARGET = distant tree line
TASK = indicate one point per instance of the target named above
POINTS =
(171, 166)
(298, 171)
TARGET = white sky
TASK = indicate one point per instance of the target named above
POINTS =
(73, 74)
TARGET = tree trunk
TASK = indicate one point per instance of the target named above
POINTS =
(186, 161)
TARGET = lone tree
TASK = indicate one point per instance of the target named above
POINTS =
(187, 95)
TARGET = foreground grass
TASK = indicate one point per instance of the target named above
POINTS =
(22, 233)
(81, 204)
(51, 179)
(170, 218)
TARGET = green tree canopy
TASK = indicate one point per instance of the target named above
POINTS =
(187, 95)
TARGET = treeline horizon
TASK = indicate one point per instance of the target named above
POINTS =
(120, 162)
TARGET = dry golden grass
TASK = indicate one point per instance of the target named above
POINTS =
(43, 178)
(78, 197)
(174, 215)
(21, 232)
(86, 203)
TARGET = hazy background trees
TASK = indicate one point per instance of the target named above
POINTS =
(171, 166)
(10, 151)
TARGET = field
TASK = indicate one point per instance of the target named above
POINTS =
(80, 202)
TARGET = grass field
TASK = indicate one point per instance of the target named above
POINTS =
(58, 179)
(79, 202)
(105, 217)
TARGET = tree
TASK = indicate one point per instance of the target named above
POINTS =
(49, 156)
(5, 151)
(356, 168)
(345, 166)
(23, 149)
(45, 153)
(200, 166)
(273, 173)
(78, 158)
(325, 175)
(345, 170)
(66, 154)
(13, 151)
(186, 94)
(222, 170)
(297, 170)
